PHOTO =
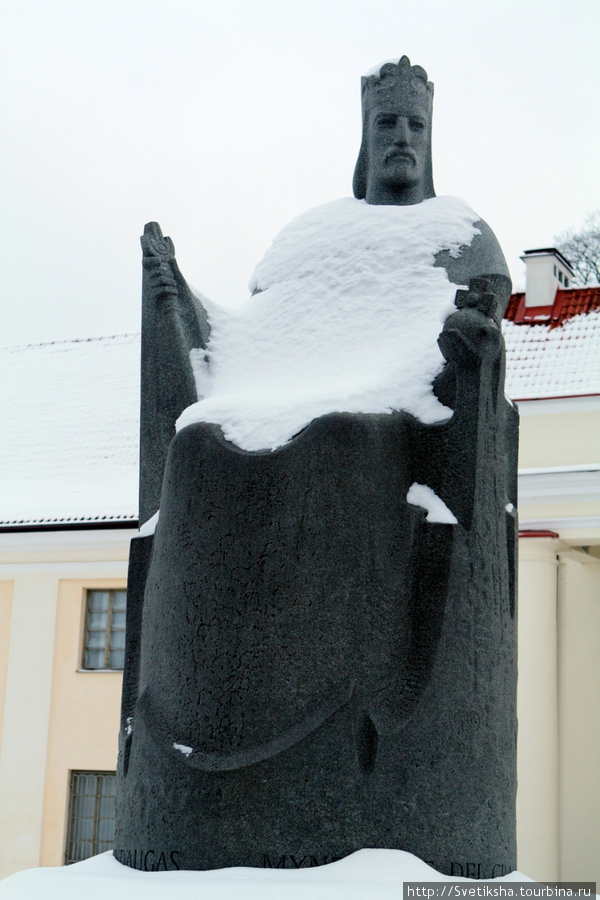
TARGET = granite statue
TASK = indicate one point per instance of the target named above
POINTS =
(316, 661)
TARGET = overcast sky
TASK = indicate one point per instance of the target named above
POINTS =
(223, 119)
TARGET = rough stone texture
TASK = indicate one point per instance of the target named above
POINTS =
(312, 667)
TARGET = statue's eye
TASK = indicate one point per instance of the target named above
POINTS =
(416, 124)
(385, 122)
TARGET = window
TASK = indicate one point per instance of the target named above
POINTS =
(104, 645)
(91, 815)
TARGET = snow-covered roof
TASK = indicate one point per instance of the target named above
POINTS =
(70, 421)
(553, 351)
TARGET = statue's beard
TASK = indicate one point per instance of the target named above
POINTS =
(400, 168)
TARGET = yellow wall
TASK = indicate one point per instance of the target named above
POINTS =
(26, 719)
(84, 714)
(537, 711)
(558, 797)
(6, 592)
(558, 439)
(50, 710)
(579, 716)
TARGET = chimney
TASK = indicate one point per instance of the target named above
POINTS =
(546, 272)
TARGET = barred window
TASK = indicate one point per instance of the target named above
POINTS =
(104, 646)
(91, 815)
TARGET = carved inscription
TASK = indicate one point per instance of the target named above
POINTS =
(150, 860)
(297, 862)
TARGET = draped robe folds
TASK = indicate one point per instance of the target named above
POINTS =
(313, 665)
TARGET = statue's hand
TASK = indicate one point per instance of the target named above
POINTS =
(160, 276)
(159, 260)
(470, 335)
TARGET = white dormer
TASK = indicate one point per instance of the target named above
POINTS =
(546, 272)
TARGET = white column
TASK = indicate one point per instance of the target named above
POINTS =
(537, 709)
(26, 720)
(579, 706)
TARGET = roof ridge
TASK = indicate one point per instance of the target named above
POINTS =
(40, 520)
(86, 340)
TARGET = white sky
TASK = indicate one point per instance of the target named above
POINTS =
(223, 119)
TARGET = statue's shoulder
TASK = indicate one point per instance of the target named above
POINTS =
(481, 258)
(486, 250)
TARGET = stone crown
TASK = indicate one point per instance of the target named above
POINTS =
(398, 81)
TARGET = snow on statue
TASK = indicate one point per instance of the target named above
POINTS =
(346, 320)
(321, 630)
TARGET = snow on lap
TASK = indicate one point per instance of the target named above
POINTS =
(346, 319)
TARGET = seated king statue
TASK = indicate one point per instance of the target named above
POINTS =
(321, 644)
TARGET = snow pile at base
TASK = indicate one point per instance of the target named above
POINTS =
(347, 320)
(366, 875)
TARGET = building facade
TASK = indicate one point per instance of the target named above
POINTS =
(552, 334)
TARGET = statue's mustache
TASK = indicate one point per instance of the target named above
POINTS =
(398, 153)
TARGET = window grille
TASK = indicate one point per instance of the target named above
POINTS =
(91, 815)
(105, 630)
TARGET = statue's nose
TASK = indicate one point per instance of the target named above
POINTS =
(402, 131)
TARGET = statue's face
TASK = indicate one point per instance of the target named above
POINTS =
(398, 141)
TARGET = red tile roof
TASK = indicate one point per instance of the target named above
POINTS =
(553, 351)
(567, 303)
